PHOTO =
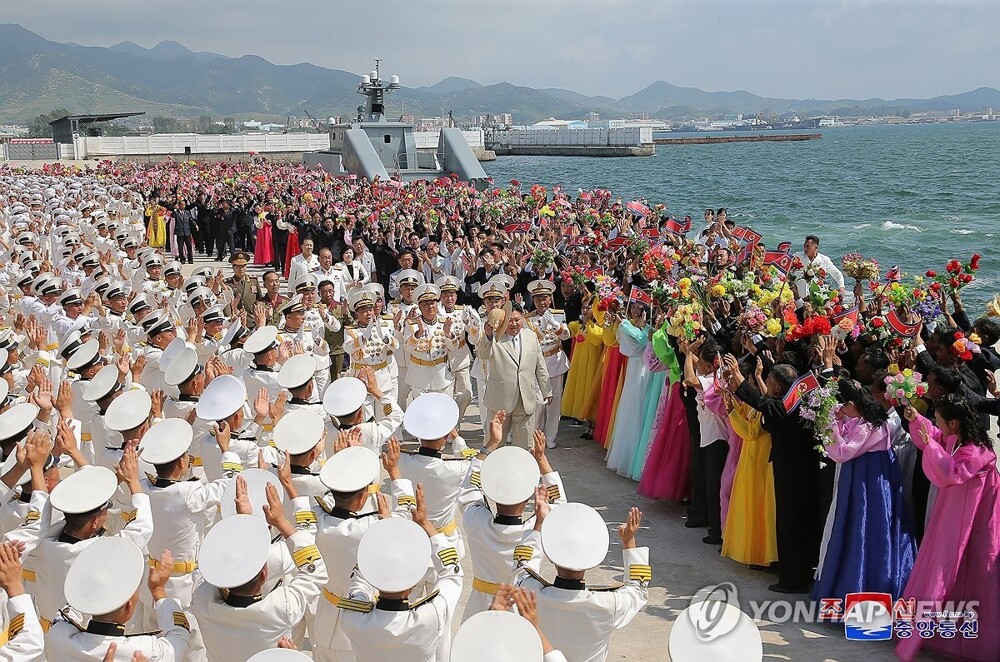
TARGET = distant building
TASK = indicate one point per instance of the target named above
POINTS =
(407, 119)
(505, 119)
(640, 116)
(592, 117)
(272, 128)
(253, 125)
(430, 123)
(553, 123)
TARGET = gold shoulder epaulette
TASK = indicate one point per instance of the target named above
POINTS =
(556, 311)
(362, 606)
(424, 600)
(605, 589)
(321, 502)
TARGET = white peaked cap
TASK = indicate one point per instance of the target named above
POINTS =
(17, 419)
(280, 655)
(296, 371)
(394, 554)
(299, 431)
(575, 537)
(234, 551)
(223, 396)
(84, 355)
(261, 339)
(431, 416)
(128, 411)
(104, 576)
(172, 350)
(496, 636)
(257, 480)
(102, 384)
(166, 441)
(181, 368)
(509, 475)
(344, 396)
(84, 490)
(351, 469)
(739, 639)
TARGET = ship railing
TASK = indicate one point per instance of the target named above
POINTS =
(418, 161)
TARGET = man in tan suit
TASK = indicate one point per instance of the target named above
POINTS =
(515, 375)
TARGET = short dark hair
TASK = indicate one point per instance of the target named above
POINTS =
(785, 374)
(722, 210)
(268, 273)
(988, 329)
(876, 358)
(813, 238)
(949, 379)
(515, 307)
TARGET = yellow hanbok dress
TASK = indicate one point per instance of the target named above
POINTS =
(584, 368)
(156, 227)
(749, 534)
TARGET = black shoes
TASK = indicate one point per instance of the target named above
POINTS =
(712, 540)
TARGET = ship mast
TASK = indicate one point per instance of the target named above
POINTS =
(374, 92)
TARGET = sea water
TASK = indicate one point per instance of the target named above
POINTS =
(912, 195)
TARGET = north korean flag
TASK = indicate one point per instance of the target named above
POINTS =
(800, 388)
(640, 296)
(781, 261)
(900, 327)
(637, 208)
(675, 226)
(851, 314)
(511, 228)
(619, 242)
(785, 247)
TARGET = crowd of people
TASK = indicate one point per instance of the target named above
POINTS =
(200, 458)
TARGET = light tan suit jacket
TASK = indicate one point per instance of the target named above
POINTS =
(513, 375)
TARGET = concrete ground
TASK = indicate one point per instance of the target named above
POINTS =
(681, 563)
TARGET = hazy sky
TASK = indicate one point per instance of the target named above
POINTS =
(797, 48)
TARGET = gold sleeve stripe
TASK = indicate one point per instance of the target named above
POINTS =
(305, 555)
(32, 516)
(640, 573)
(15, 627)
(387, 409)
(406, 500)
(448, 556)
(305, 517)
(181, 621)
(475, 479)
(553, 491)
(355, 605)
(235, 467)
(523, 553)
(129, 516)
(469, 452)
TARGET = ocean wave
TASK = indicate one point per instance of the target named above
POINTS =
(862, 226)
(889, 225)
(962, 231)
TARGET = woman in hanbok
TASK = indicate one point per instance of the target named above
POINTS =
(612, 380)
(584, 364)
(633, 336)
(665, 474)
(867, 542)
(156, 226)
(748, 533)
(650, 405)
(263, 251)
(958, 558)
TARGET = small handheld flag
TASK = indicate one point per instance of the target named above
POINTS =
(781, 261)
(637, 208)
(785, 247)
(640, 296)
(900, 327)
(799, 390)
(511, 228)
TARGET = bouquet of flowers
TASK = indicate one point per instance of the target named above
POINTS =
(542, 259)
(656, 263)
(609, 294)
(638, 248)
(859, 268)
(964, 347)
(685, 322)
(817, 325)
(819, 408)
(904, 387)
(957, 275)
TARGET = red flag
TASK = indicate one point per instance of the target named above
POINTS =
(640, 296)
(595, 271)
(619, 242)
(781, 261)
(687, 224)
(675, 226)
(585, 196)
(739, 233)
(433, 201)
(744, 254)
(851, 314)
(513, 227)
(899, 326)
(799, 389)
(785, 247)
(893, 275)
(753, 238)
(651, 233)
(637, 208)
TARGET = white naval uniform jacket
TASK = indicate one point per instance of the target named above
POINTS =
(375, 432)
(338, 535)
(181, 514)
(373, 346)
(442, 478)
(578, 620)
(428, 357)
(237, 629)
(498, 544)
(464, 321)
(66, 642)
(56, 551)
(397, 631)
(551, 330)
(25, 639)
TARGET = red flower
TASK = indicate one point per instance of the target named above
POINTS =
(967, 278)
(935, 287)
(954, 283)
(931, 273)
(878, 322)
(822, 273)
(974, 264)
(953, 266)
(514, 182)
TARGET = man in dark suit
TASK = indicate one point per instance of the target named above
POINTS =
(225, 230)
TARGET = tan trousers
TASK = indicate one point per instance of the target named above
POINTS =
(518, 426)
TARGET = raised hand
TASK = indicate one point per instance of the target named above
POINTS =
(262, 405)
(629, 528)
(160, 574)
(243, 505)
(277, 409)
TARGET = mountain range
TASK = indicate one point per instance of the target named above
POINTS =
(38, 75)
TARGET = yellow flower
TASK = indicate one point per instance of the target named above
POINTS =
(718, 291)
(908, 372)
(773, 327)
(684, 283)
